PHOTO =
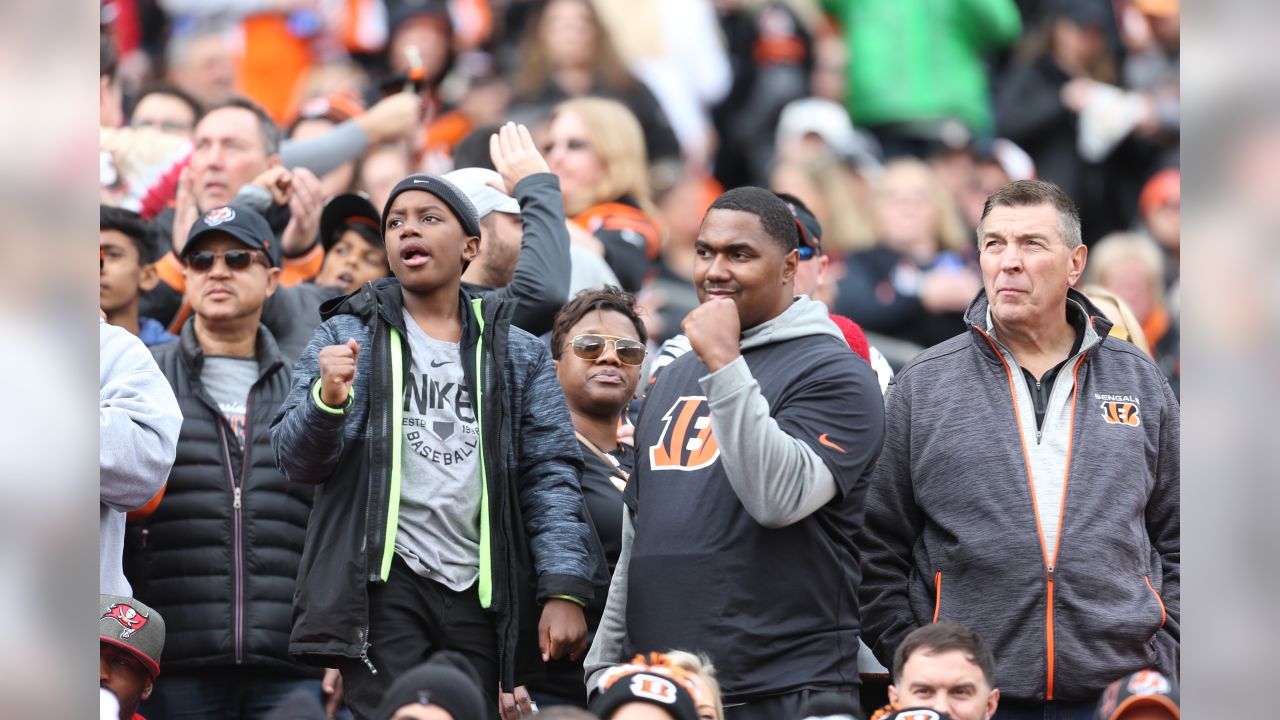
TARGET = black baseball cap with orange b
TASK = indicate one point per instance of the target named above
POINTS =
(241, 223)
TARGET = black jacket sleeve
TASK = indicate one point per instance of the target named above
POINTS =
(540, 286)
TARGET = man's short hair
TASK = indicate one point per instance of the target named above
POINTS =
(605, 299)
(1027, 193)
(173, 91)
(108, 60)
(270, 132)
(132, 226)
(775, 217)
(940, 638)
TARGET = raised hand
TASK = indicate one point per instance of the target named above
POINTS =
(515, 156)
(338, 372)
(714, 331)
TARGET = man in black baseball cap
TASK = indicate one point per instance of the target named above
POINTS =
(222, 549)
(130, 640)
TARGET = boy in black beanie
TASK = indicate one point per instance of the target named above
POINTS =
(449, 512)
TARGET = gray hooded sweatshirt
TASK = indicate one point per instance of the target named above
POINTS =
(138, 420)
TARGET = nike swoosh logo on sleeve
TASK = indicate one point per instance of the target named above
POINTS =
(823, 440)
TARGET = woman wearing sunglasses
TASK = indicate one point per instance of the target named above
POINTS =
(597, 148)
(598, 343)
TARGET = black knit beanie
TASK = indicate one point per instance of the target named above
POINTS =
(457, 201)
(447, 680)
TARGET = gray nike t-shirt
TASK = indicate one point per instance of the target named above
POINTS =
(439, 521)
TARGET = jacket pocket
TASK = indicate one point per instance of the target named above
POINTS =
(1163, 614)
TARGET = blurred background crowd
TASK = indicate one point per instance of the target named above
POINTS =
(892, 121)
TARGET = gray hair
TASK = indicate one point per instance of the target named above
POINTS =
(1027, 193)
(270, 132)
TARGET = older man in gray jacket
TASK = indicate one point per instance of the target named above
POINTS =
(1028, 486)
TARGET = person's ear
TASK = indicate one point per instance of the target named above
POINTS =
(993, 701)
(471, 249)
(273, 280)
(789, 265)
(149, 278)
(893, 696)
(147, 688)
(1079, 256)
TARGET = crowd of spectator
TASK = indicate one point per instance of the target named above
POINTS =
(779, 266)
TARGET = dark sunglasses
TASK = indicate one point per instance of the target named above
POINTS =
(591, 347)
(806, 252)
(235, 259)
(572, 144)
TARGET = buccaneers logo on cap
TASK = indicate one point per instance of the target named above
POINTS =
(217, 216)
(129, 618)
(1121, 413)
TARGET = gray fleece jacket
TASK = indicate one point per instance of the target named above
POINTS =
(781, 473)
(138, 425)
(1059, 545)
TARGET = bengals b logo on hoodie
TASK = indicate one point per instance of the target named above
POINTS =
(687, 442)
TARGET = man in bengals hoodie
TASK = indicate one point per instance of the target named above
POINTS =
(753, 455)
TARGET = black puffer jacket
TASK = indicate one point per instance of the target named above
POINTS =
(219, 557)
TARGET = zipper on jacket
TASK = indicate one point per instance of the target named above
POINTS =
(1049, 622)
(362, 634)
(1049, 563)
(237, 546)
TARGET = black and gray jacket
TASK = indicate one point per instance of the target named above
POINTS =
(219, 556)
(535, 542)
(954, 530)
